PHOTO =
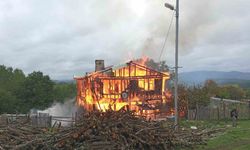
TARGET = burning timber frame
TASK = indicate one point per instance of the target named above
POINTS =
(131, 86)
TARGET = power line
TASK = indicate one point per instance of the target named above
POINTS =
(167, 35)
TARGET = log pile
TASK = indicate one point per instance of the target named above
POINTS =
(98, 130)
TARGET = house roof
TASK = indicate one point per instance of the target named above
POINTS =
(120, 66)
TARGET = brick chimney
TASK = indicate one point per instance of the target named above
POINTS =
(99, 65)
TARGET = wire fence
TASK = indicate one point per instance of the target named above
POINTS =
(37, 120)
(220, 110)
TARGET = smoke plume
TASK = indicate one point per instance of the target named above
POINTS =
(66, 109)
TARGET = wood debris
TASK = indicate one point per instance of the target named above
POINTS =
(103, 130)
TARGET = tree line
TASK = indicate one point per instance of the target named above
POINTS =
(20, 93)
(191, 97)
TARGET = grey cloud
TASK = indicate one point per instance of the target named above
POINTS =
(62, 38)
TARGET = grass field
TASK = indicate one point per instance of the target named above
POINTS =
(237, 138)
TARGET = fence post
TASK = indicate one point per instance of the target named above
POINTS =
(218, 113)
(209, 111)
(50, 121)
(224, 111)
(249, 109)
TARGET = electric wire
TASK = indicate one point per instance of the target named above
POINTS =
(167, 35)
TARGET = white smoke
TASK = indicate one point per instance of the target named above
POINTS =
(62, 113)
(66, 109)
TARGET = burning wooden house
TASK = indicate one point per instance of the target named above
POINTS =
(131, 86)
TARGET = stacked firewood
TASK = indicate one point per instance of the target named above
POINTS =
(20, 136)
(102, 130)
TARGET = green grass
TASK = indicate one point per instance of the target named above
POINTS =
(204, 124)
(233, 139)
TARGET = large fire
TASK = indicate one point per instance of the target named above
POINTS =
(131, 86)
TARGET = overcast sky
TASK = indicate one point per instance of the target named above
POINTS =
(62, 38)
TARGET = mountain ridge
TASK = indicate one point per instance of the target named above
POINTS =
(222, 77)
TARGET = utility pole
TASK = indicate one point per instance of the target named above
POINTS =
(176, 9)
(176, 65)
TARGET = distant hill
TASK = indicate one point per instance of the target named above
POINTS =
(64, 81)
(233, 77)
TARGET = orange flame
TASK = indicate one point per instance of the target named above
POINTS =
(132, 86)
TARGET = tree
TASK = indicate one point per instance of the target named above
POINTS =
(231, 92)
(37, 92)
(7, 101)
(19, 94)
(158, 66)
(197, 96)
(10, 79)
(182, 99)
(212, 87)
(163, 67)
(63, 91)
(235, 92)
(6, 75)
(223, 93)
(247, 92)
